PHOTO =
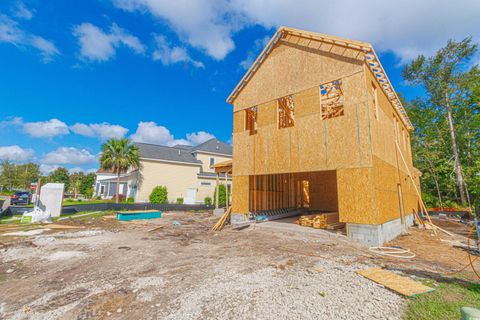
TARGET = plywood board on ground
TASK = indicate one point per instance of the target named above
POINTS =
(395, 282)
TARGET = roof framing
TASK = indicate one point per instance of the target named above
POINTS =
(371, 59)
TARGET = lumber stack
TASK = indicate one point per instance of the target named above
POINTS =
(222, 221)
(321, 221)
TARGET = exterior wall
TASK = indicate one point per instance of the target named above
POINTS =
(389, 169)
(205, 158)
(312, 144)
(175, 176)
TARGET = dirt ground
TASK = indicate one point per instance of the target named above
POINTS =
(175, 267)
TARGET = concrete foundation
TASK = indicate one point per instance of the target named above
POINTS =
(377, 234)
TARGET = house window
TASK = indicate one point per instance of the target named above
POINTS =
(375, 101)
(251, 120)
(212, 162)
(102, 189)
(286, 112)
(332, 100)
(206, 183)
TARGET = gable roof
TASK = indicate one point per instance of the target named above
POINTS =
(214, 146)
(370, 56)
(157, 152)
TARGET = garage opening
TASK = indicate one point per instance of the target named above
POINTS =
(312, 196)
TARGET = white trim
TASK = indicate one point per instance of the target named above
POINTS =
(214, 153)
(171, 161)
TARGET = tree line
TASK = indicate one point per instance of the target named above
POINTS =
(20, 176)
(446, 140)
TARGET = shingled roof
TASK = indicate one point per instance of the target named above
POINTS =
(214, 146)
(153, 151)
(182, 153)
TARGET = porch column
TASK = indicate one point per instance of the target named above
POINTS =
(216, 192)
(226, 190)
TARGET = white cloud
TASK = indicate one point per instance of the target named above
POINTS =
(80, 169)
(97, 45)
(406, 28)
(199, 137)
(258, 45)
(202, 23)
(16, 154)
(150, 132)
(46, 169)
(11, 32)
(68, 155)
(12, 121)
(168, 54)
(103, 131)
(45, 129)
(22, 12)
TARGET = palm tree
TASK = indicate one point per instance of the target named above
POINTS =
(119, 155)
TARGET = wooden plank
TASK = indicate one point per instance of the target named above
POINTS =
(395, 282)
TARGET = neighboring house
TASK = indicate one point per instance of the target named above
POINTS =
(106, 184)
(186, 171)
(317, 125)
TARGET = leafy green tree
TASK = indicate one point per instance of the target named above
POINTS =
(26, 174)
(8, 175)
(119, 155)
(450, 111)
(159, 195)
(76, 180)
(86, 189)
(60, 175)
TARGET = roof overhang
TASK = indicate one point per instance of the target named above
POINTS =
(223, 167)
(370, 56)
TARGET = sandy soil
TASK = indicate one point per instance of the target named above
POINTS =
(156, 269)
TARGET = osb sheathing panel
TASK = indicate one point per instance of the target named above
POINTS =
(312, 144)
(267, 114)
(356, 197)
(292, 67)
(238, 121)
(323, 191)
(387, 178)
(308, 102)
(240, 194)
(383, 132)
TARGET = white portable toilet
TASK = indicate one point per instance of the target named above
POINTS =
(51, 197)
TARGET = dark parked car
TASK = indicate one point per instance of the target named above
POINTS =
(21, 197)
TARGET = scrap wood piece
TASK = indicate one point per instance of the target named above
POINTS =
(222, 221)
(395, 282)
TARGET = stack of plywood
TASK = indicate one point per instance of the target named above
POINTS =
(321, 221)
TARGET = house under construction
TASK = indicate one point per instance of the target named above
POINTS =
(318, 125)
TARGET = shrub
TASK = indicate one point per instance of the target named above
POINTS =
(88, 193)
(130, 200)
(159, 195)
(221, 196)
(207, 201)
(179, 200)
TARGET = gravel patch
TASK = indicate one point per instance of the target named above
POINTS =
(326, 291)
(65, 255)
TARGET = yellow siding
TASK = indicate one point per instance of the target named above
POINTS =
(176, 177)
(205, 158)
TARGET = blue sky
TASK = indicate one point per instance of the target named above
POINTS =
(75, 73)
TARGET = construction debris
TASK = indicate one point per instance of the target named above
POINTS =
(321, 221)
(222, 221)
(395, 282)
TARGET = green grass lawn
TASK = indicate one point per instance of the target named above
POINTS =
(445, 302)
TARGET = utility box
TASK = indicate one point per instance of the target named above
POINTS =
(51, 197)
